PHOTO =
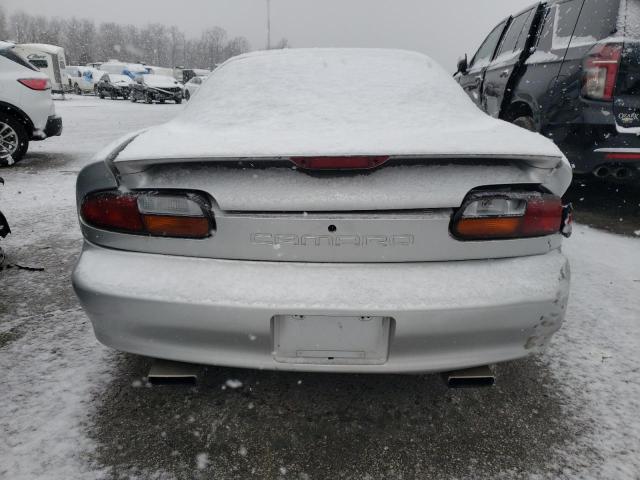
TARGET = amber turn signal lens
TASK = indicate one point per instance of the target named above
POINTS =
(482, 228)
(167, 226)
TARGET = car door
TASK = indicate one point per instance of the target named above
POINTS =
(471, 80)
(559, 105)
(507, 60)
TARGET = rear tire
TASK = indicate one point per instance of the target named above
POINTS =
(148, 98)
(101, 94)
(178, 100)
(187, 95)
(14, 139)
(525, 122)
(77, 90)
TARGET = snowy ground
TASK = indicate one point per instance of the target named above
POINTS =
(71, 408)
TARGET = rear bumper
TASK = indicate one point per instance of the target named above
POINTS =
(616, 151)
(446, 315)
(589, 144)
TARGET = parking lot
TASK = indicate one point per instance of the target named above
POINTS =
(72, 408)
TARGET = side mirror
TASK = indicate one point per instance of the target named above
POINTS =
(463, 64)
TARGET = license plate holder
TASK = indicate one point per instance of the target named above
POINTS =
(331, 340)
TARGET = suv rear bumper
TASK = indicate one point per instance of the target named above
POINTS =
(590, 147)
(54, 126)
(446, 315)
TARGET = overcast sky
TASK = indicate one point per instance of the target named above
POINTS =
(443, 29)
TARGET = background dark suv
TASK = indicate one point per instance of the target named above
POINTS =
(568, 69)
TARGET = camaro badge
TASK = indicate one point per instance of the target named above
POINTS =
(289, 239)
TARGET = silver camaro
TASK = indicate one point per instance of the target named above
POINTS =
(345, 210)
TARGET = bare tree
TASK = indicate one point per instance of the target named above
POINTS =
(4, 30)
(154, 44)
(283, 43)
(88, 41)
(20, 27)
(213, 45)
(110, 40)
(177, 42)
(236, 46)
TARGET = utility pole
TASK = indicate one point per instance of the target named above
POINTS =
(268, 24)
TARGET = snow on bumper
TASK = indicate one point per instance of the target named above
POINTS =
(446, 315)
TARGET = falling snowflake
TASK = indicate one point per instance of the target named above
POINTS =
(202, 460)
(233, 384)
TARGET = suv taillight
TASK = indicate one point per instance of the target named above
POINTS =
(36, 83)
(148, 213)
(600, 71)
(506, 215)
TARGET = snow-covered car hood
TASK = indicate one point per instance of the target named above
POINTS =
(120, 80)
(335, 102)
(160, 81)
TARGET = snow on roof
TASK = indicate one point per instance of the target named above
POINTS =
(299, 102)
(43, 47)
(160, 81)
(114, 77)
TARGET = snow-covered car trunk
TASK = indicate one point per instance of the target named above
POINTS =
(258, 158)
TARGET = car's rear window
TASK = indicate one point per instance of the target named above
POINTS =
(511, 41)
(598, 19)
(14, 57)
(39, 63)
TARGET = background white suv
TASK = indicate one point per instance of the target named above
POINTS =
(27, 111)
(192, 86)
(83, 79)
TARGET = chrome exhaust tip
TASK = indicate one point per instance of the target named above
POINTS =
(165, 372)
(602, 172)
(479, 377)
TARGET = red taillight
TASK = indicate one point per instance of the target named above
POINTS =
(543, 216)
(622, 156)
(148, 213)
(36, 83)
(507, 215)
(112, 211)
(339, 163)
(600, 71)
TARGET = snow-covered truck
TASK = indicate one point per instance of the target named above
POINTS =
(132, 70)
(49, 59)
